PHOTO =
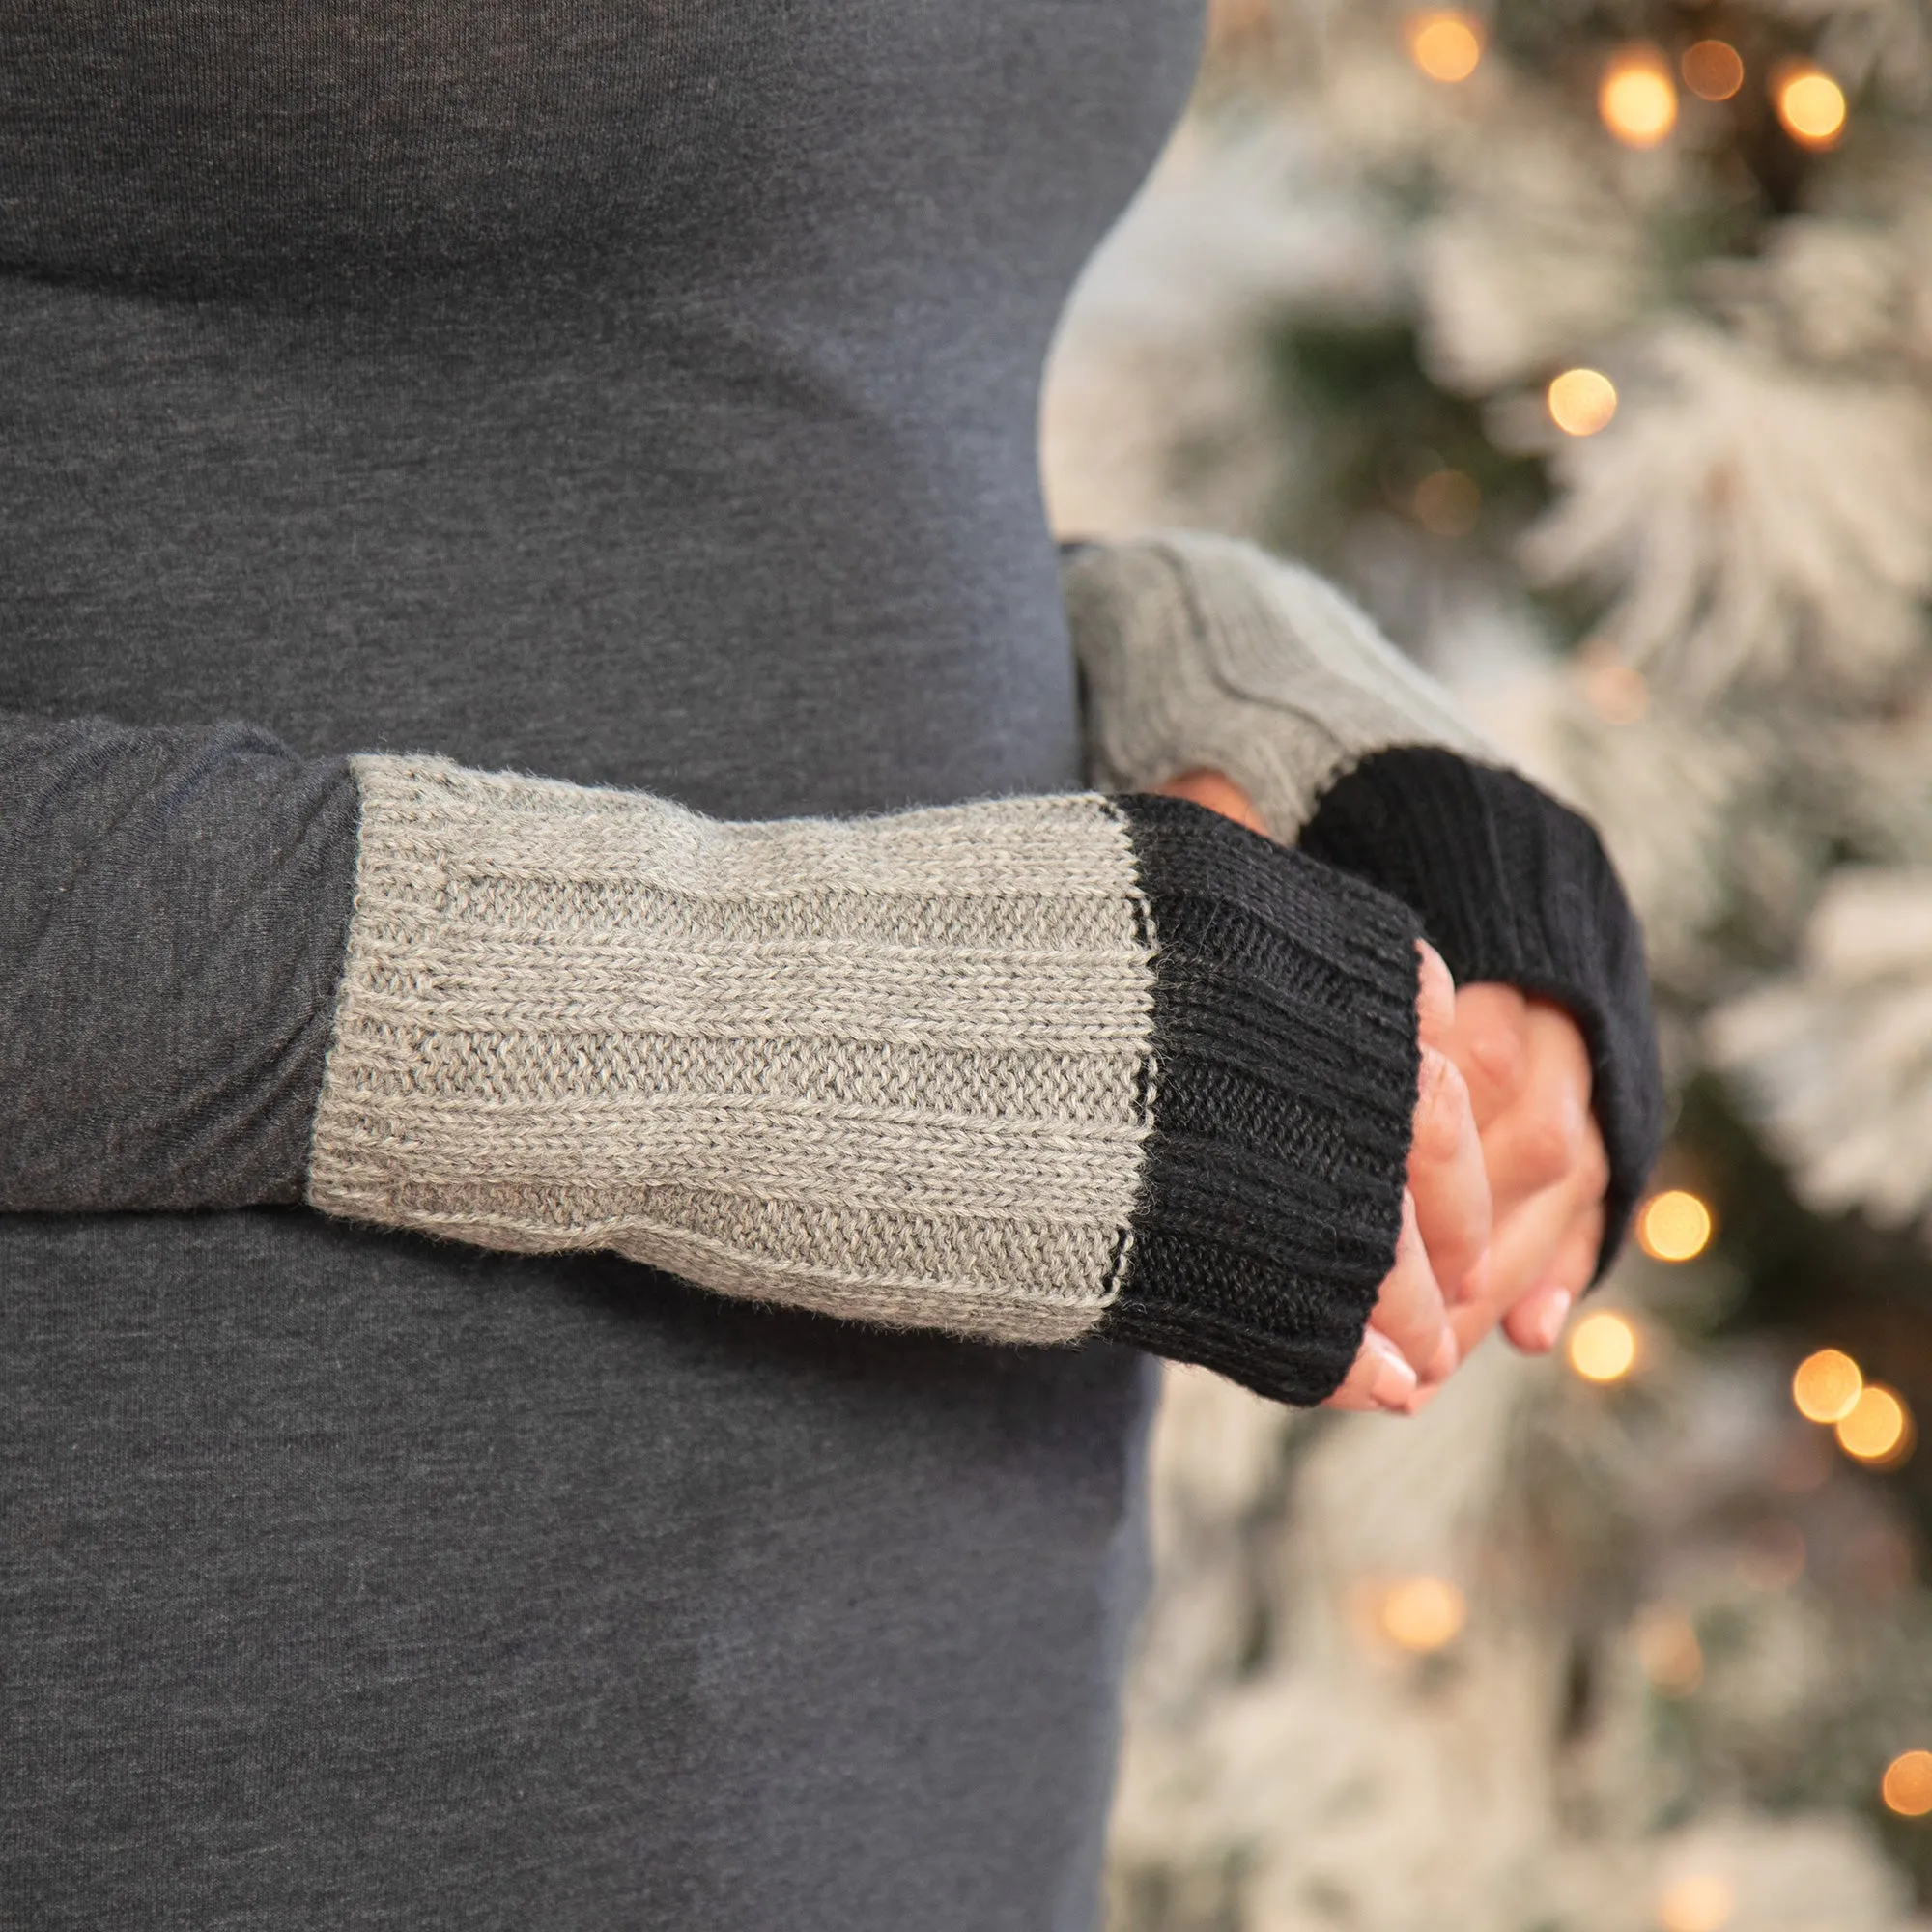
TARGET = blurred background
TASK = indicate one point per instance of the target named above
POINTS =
(1590, 346)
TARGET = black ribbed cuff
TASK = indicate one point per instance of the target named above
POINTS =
(1514, 886)
(1284, 1066)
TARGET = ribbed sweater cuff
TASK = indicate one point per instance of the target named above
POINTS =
(1285, 1066)
(1511, 886)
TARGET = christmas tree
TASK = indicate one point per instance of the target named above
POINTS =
(1590, 346)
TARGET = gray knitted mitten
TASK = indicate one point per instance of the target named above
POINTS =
(1024, 1070)
(1202, 652)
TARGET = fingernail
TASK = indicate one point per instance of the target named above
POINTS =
(1549, 1323)
(1442, 1364)
(1395, 1381)
(1421, 1399)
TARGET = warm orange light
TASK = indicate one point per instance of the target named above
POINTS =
(1712, 69)
(1826, 1386)
(1603, 1348)
(1673, 1226)
(1877, 1428)
(1698, 1902)
(1446, 42)
(1423, 1613)
(1672, 1658)
(1637, 98)
(1907, 1786)
(1618, 692)
(1581, 401)
(1447, 502)
(1810, 103)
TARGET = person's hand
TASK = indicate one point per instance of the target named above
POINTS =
(1528, 1068)
(1412, 1346)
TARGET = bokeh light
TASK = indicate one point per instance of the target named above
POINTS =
(1672, 1658)
(1810, 103)
(1447, 502)
(1618, 692)
(1712, 69)
(1637, 99)
(1697, 1902)
(1877, 1428)
(1603, 1348)
(1827, 1386)
(1423, 1613)
(1446, 42)
(1581, 401)
(1906, 1785)
(1673, 1226)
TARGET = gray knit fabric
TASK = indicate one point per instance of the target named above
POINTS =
(1202, 651)
(891, 1069)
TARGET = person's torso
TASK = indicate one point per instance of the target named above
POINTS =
(634, 392)
(626, 392)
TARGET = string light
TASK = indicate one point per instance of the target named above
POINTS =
(1603, 1348)
(1446, 42)
(1877, 1429)
(1447, 502)
(1698, 1902)
(1423, 1613)
(1810, 103)
(1618, 692)
(1826, 1386)
(1581, 401)
(1906, 1785)
(1712, 70)
(1673, 1226)
(1672, 1658)
(1637, 98)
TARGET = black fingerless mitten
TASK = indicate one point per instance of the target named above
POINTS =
(1511, 886)
(1285, 1065)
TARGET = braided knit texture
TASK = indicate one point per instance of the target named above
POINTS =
(891, 1068)
(1015, 1070)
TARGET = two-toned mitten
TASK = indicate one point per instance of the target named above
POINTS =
(1204, 652)
(1027, 1070)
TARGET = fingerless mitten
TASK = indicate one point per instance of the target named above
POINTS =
(1024, 1070)
(1203, 652)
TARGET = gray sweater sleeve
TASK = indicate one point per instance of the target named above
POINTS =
(174, 907)
(1027, 1070)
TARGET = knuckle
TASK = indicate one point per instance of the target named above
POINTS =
(1545, 1150)
(1443, 1114)
(1596, 1169)
(1435, 992)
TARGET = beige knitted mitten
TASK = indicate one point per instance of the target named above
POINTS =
(1021, 1070)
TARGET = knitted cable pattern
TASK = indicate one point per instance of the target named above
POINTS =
(1020, 1070)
